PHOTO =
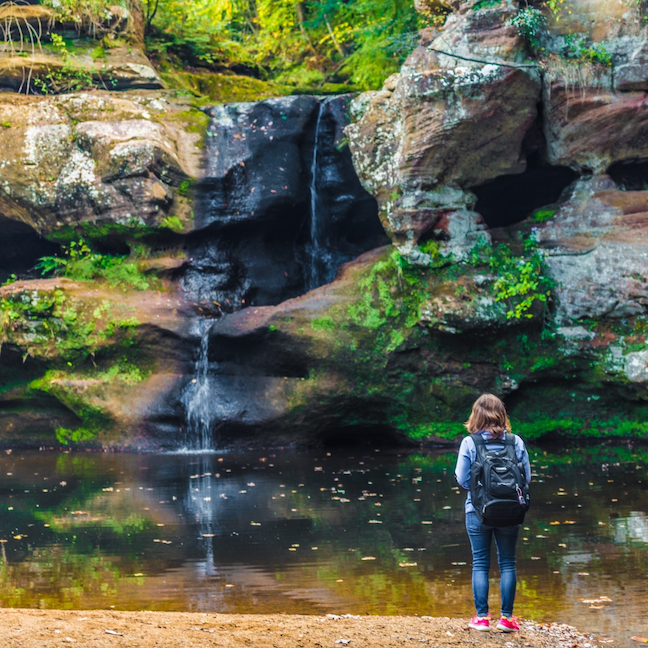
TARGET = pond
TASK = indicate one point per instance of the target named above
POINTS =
(346, 531)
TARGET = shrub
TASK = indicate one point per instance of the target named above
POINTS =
(79, 262)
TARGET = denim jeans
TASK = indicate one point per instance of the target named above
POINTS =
(480, 540)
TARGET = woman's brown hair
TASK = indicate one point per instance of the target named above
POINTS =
(488, 414)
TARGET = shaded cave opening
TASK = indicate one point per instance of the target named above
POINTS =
(360, 437)
(20, 249)
(510, 199)
(631, 175)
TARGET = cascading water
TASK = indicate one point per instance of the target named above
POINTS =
(271, 165)
(196, 398)
(320, 257)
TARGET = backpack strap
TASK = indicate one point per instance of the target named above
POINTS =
(480, 445)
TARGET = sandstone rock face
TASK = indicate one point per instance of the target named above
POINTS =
(445, 123)
(596, 246)
(598, 19)
(590, 128)
(548, 309)
(91, 158)
(88, 357)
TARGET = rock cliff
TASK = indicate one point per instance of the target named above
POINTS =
(492, 240)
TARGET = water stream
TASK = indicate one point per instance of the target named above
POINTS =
(344, 531)
(320, 258)
(197, 397)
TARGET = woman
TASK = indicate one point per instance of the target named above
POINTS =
(489, 419)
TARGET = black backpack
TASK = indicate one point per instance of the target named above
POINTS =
(498, 487)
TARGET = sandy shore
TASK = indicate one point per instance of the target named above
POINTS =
(99, 629)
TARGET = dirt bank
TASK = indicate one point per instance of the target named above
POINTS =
(99, 629)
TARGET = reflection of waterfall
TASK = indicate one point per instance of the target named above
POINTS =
(320, 258)
(197, 399)
(201, 501)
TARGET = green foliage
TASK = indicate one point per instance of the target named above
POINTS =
(306, 44)
(173, 223)
(210, 87)
(485, 4)
(432, 248)
(389, 290)
(520, 280)
(65, 436)
(89, 16)
(82, 264)
(531, 23)
(184, 188)
(70, 77)
(94, 420)
(577, 47)
(98, 53)
(438, 429)
(543, 215)
(5, 124)
(323, 324)
(581, 428)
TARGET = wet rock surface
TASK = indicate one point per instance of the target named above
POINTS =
(278, 173)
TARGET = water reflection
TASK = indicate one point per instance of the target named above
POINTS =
(370, 532)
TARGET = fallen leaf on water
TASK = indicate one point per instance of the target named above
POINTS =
(369, 558)
(600, 599)
(403, 564)
(112, 632)
(639, 639)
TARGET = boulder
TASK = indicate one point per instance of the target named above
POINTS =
(453, 118)
(92, 159)
(595, 247)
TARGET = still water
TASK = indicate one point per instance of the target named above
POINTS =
(350, 531)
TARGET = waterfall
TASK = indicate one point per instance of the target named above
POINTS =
(196, 398)
(319, 256)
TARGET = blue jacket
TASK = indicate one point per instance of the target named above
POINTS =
(468, 454)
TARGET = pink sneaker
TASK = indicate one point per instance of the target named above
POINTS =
(508, 624)
(480, 623)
